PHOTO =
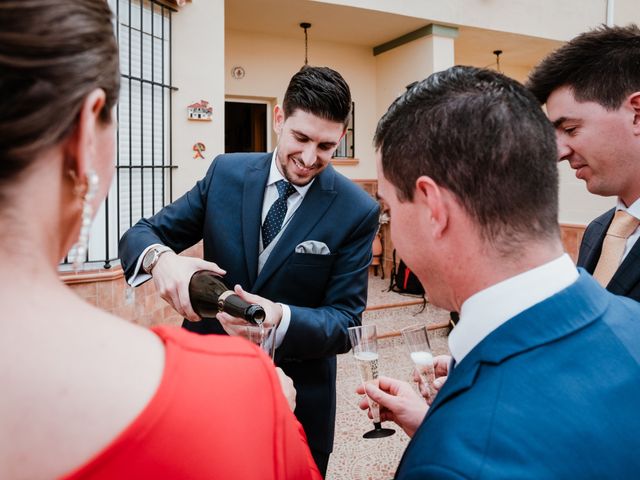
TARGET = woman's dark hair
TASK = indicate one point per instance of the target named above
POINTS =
(320, 91)
(53, 53)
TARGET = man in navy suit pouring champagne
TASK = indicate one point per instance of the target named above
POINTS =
(286, 227)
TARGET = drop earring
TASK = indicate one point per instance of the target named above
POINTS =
(78, 253)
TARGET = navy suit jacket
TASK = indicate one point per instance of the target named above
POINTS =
(552, 393)
(326, 293)
(626, 280)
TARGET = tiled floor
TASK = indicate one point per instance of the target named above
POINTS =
(354, 457)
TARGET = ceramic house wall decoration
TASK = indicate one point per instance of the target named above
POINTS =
(200, 111)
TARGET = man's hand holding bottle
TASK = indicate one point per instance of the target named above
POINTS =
(235, 325)
(171, 276)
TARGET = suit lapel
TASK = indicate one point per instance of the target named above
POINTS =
(315, 204)
(252, 197)
(628, 274)
(595, 240)
(461, 379)
(543, 323)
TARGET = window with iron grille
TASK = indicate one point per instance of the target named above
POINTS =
(142, 180)
(346, 147)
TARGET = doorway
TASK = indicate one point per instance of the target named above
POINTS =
(245, 127)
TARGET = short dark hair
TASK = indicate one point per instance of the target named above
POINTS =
(320, 91)
(602, 66)
(483, 137)
(52, 55)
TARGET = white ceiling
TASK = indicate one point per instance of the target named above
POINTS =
(371, 28)
(475, 46)
(329, 22)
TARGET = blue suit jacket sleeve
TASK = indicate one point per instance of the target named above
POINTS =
(178, 225)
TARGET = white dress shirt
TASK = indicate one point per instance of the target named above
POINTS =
(634, 210)
(485, 311)
(293, 202)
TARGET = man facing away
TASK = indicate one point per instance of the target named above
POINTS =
(546, 380)
(286, 227)
(591, 87)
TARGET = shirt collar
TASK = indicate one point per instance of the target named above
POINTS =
(275, 175)
(633, 209)
(485, 311)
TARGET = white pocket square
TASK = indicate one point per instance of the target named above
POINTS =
(313, 247)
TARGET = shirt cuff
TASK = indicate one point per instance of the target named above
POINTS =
(140, 276)
(281, 331)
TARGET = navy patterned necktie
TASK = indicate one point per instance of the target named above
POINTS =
(278, 210)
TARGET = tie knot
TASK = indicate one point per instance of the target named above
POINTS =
(285, 189)
(623, 224)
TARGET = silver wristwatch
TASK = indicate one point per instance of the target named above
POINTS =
(152, 256)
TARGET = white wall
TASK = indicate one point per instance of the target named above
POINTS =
(558, 20)
(626, 11)
(198, 72)
(577, 205)
(413, 61)
(270, 62)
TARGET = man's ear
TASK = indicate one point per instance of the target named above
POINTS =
(80, 148)
(430, 194)
(278, 119)
(634, 102)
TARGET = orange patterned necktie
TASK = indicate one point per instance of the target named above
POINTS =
(622, 226)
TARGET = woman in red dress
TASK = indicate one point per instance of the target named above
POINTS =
(86, 395)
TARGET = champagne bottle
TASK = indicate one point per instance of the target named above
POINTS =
(209, 295)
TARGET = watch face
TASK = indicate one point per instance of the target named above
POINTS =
(149, 260)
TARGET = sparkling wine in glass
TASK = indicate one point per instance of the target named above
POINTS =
(263, 336)
(364, 341)
(417, 341)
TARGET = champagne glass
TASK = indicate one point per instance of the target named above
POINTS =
(263, 336)
(364, 341)
(416, 339)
